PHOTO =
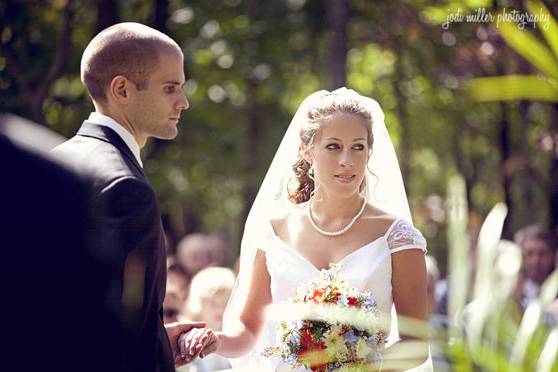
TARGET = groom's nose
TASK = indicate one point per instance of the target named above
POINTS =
(183, 103)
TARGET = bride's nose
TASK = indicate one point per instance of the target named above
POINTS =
(346, 161)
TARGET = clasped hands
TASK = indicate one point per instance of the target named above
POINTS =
(190, 340)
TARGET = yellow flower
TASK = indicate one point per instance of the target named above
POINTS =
(362, 349)
(335, 343)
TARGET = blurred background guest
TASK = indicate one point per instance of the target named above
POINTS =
(432, 278)
(209, 293)
(538, 248)
(193, 253)
(172, 303)
(178, 278)
(219, 249)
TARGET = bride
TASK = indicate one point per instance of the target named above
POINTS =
(333, 194)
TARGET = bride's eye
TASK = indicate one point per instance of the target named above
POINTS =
(359, 147)
(332, 146)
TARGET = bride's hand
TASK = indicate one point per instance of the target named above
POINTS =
(192, 343)
(212, 345)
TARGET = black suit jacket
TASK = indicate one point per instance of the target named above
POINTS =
(131, 221)
(54, 272)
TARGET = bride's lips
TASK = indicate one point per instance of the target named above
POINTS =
(345, 178)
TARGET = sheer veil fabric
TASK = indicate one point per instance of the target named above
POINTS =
(384, 189)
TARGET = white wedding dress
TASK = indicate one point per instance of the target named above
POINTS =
(367, 269)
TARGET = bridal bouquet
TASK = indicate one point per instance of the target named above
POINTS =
(338, 329)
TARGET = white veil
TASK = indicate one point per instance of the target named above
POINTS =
(384, 189)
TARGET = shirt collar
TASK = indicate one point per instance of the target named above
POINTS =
(126, 136)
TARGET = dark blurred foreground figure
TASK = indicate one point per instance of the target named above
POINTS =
(55, 272)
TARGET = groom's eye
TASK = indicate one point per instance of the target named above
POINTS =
(169, 89)
(332, 146)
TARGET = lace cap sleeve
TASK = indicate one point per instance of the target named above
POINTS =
(402, 235)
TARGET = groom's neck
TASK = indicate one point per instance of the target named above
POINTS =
(122, 119)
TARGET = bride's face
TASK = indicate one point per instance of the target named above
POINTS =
(340, 153)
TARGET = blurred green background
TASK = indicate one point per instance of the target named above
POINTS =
(249, 64)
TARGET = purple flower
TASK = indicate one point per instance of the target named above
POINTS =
(296, 324)
(368, 301)
(371, 341)
(342, 300)
(350, 337)
(290, 359)
(293, 338)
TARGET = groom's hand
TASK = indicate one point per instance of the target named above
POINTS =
(174, 330)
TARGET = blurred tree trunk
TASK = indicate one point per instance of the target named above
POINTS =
(468, 171)
(251, 153)
(553, 184)
(337, 13)
(107, 14)
(161, 15)
(524, 166)
(506, 168)
(404, 149)
(34, 94)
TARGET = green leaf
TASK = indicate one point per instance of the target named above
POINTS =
(529, 323)
(547, 23)
(549, 354)
(489, 236)
(529, 47)
(549, 289)
(458, 241)
(513, 87)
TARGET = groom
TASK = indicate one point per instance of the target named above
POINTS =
(134, 75)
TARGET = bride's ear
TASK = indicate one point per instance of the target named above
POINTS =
(305, 153)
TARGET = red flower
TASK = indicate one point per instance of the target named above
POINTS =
(307, 342)
(318, 368)
(306, 339)
(352, 300)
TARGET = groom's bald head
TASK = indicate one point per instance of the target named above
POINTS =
(128, 49)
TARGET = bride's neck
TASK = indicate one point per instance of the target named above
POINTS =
(327, 208)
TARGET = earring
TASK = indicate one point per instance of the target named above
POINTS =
(311, 172)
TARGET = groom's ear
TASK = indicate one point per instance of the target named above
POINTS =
(118, 89)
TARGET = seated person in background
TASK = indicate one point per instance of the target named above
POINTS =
(172, 303)
(193, 253)
(209, 293)
(219, 247)
(538, 247)
(178, 278)
(432, 277)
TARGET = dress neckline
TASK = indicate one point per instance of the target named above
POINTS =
(340, 261)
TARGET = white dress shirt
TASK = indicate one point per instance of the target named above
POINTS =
(126, 136)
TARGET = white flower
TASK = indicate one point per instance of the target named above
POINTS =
(362, 349)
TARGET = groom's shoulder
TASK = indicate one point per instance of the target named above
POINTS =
(102, 160)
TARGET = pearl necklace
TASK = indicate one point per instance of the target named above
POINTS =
(339, 232)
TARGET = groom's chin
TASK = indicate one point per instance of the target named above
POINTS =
(168, 134)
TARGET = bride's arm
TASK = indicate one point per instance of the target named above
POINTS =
(252, 318)
(409, 296)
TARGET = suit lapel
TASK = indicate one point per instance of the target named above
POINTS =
(103, 133)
